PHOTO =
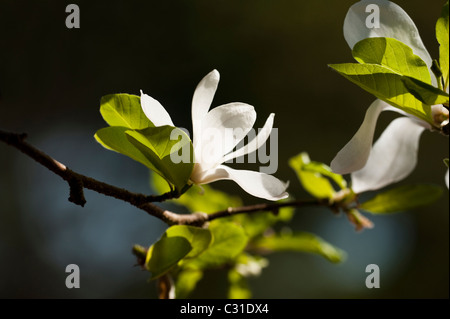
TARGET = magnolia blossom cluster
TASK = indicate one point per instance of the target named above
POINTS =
(217, 131)
(394, 155)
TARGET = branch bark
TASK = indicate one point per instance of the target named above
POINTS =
(270, 207)
(78, 182)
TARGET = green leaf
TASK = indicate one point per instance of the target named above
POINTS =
(165, 254)
(425, 93)
(199, 198)
(158, 139)
(392, 54)
(300, 242)
(385, 84)
(324, 170)
(256, 224)
(229, 240)
(313, 182)
(124, 110)
(199, 238)
(403, 198)
(446, 160)
(157, 147)
(239, 288)
(186, 282)
(442, 37)
(115, 139)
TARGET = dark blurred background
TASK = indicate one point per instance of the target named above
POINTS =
(271, 54)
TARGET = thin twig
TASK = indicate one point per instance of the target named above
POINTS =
(271, 207)
(77, 181)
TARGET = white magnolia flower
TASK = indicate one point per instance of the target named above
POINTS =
(216, 133)
(394, 155)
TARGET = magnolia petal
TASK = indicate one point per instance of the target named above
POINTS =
(353, 156)
(394, 23)
(255, 183)
(155, 111)
(393, 156)
(202, 99)
(255, 143)
(222, 128)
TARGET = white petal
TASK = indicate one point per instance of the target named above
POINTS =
(394, 23)
(155, 111)
(202, 99)
(255, 183)
(393, 157)
(353, 156)
(222, 128)
(255, 143)
(446, 178)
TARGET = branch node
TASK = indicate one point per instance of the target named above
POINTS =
(141, 254)
(76, 191)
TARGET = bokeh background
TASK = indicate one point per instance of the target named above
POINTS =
(271, 54)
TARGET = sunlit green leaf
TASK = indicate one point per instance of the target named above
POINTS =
(115, 139)
(199, 198)
(239, 288)
(403, 198)
(425, 93)
(385, 84)
(392, 54)
(229, 240)
(165, 254)
(324, 170)
(156, 145)
(124, 110)
(256, 224)
(199, 238)
(186, 282)
(301, 242)
(313, 182)
(442, 37)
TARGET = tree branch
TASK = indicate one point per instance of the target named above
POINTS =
(270, 207)
(78, 182)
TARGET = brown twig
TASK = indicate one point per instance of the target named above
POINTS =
(165, 287)
(270, 207)
(77, 184)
